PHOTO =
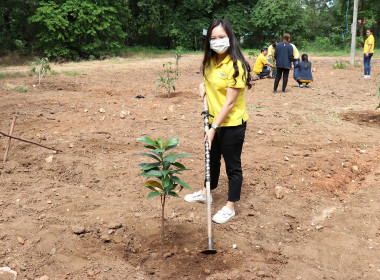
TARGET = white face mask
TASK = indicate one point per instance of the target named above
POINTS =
(220, 46)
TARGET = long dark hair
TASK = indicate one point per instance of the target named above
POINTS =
(305, 59)
(233, 51)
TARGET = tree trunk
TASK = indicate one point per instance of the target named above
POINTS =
(362, 24)
(163, 197)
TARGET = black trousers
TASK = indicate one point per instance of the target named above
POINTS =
(228, 141)
(281, 71)
(264, 73)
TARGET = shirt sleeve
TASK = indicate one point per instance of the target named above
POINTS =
(371, 40)
(291, 56)
(239, 79)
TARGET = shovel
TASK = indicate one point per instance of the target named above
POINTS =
(209, 250)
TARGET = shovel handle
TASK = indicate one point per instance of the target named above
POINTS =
(208, 187)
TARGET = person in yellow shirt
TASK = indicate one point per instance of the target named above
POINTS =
(369, 46)
(270, 56)
(226, 75)
(296, 60)
(259, 68)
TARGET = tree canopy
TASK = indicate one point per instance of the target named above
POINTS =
(84, 28)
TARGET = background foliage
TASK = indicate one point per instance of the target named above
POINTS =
(93, 28)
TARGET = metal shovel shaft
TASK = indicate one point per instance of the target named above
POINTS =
(210, 250)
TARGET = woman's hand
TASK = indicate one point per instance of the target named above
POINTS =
(209, 137)
(202, 91)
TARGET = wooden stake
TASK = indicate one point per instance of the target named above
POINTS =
(28, 141)
(9, 139)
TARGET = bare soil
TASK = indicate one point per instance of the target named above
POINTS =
(85, 215)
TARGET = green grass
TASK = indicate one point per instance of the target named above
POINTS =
(13, 74)
(256, 108)
(71, 73)
(53, 73)
(339, 65)
(21, 89)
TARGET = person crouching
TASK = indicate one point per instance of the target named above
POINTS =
(304, 75)
(260, 62)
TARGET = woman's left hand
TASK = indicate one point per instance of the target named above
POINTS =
(209, 137)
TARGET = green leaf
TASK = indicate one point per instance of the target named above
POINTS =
(173, 194)
(150, 147)
(148, 166)
(149, 155)
(171, 142)
(178, 181)
(179, 165)
(153, 194)
(183, 155)
(160, 142)
(166, 165)
(170, 147)
(158, 152)
(152, 173)
(164, 173)
(173, 157)
(166, 182)
(147, 140)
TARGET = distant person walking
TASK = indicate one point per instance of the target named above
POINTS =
(259, 69)
(270, 56)
(284, 58)
(369, 46)
(304, 75)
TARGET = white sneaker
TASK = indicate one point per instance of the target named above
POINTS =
(196, 197)
(366, 76)
(223, 215)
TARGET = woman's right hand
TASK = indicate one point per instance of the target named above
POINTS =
(202, 91)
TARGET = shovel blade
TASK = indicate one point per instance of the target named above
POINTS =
(209, 252)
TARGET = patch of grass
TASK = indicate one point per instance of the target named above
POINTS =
(54, 73)
(339, 65)
(285, 130)
(256, 108)
(13, 74)
(21, 89)
(334, 116)
(71, 73)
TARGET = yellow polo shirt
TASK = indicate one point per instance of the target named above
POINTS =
(217, 79)
(369, 41)
(296, 53)
(271, 51)
(259, 64)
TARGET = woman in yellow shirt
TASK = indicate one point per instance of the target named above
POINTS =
(369, 46)
(226, 75)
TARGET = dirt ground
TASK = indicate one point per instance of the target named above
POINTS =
(83, 213)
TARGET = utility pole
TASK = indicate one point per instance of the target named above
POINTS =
(353, 32)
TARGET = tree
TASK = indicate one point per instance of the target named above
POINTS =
(78, 28)
(16, 32)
